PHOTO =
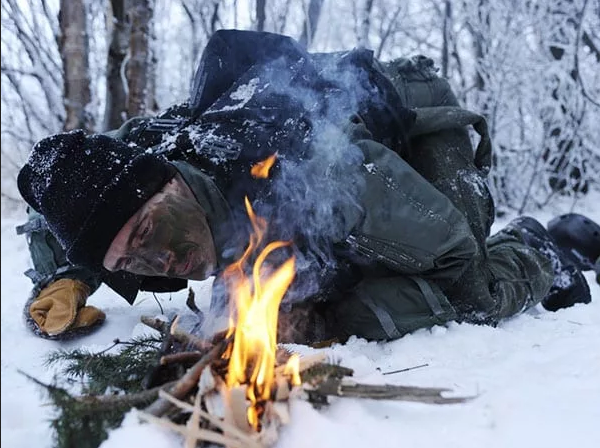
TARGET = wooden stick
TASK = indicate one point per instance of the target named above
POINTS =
(219, 423)
(341, 388)
(193, 423)
(180, 357)
(405, 370)
(178, 334)
(306, 362)
(191, 303)
(188, 381)
(131, 400)
(199, 434)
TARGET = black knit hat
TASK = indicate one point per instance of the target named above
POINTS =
(87, 188)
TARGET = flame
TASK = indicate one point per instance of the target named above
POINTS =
(292, 368)
(261, 169)
(253, 320)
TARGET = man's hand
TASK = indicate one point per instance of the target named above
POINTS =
(60, 308)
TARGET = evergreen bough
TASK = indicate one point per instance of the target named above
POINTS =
(111, 384)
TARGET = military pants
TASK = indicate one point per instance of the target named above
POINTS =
(503, 276)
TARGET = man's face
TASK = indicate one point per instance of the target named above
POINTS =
(169, 236)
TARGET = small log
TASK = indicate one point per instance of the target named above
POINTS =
(180, 358)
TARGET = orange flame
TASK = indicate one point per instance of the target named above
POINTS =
(257, 300)
(261, 169)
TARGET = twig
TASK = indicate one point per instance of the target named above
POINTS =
(405, 370)
(193, 422)
(199, 434)
(162, 311)
(157, 324)
(181, 357)
(216, 421)
(109, 401)
(131, 400)
(188, 381)
(340, 388)
(191, 303)
(178, 334)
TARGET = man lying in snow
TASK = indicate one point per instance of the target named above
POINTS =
(375, 183)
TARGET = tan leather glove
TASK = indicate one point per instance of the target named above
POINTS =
(60, 307)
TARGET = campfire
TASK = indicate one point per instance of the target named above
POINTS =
(240, 388)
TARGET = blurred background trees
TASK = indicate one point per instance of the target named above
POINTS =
(532, 67)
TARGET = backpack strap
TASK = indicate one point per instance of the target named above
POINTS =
(439, 118)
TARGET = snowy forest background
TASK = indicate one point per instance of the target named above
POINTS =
(532, 67)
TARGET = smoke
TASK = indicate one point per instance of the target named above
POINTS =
(298, 106)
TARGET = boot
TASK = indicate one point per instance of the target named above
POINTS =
(569, 286)
(578, 237)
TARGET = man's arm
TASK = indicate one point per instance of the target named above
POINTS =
(416, 242)
(407, 224)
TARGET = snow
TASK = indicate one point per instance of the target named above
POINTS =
(535, 379)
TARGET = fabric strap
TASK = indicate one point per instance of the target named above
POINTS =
(384, 318)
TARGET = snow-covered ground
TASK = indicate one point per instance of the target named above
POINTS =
(536, 377)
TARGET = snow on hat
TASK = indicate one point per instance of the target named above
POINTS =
(87, 188)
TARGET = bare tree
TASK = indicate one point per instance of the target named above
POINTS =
(261, 14)
(74, 52)
(311, 20)
(32, 85)
(364, 24)
(204, 21)
(140, 98)
(115, 111)
(446, 32)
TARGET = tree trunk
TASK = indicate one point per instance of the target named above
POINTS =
(447, 31)
(309, 28)
(74, 51)
(139, 67)
(115, 112)
(364, 25)
(261, 14)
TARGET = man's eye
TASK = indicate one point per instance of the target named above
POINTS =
(145, 231)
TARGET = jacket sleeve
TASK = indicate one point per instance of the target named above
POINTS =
(407, 224)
